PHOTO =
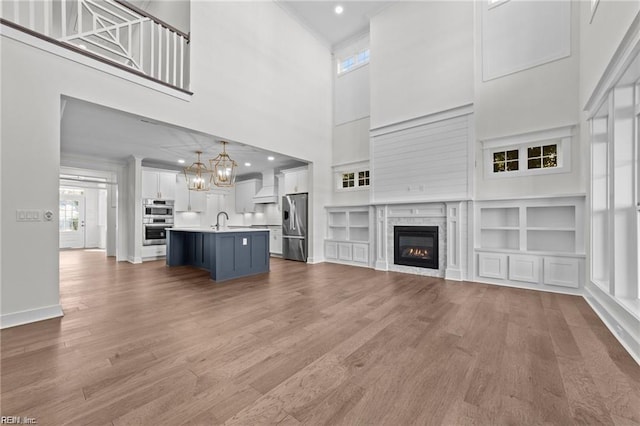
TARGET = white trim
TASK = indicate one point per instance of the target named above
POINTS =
(134, 260)
(561, 136)
(594, 8)
(529, 137)
(21, 37)
(622, 58)
(608, 310)
(315, 260)
(422, 120)
(351, 164)
(32, 315)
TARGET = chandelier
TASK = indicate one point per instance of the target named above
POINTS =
(197, 176)
(223, 168)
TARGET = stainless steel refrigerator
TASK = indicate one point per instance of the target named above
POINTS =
(294, 227)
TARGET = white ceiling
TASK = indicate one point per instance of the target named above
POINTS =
(92, 130)
(318, 16)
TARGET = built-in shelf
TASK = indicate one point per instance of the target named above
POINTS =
(530, 241)
(348, 235)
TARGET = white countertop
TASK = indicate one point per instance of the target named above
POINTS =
(213, 230)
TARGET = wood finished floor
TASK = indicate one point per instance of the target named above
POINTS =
(311, 344)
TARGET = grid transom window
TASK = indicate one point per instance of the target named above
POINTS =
(505, 161)
(363, 178)
(542, 157)
(353, 61)
(348, 180)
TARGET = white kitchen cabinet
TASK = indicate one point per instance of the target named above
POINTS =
(158, 184)
(296, 180)
(275, 240)
(492, 265)
(245, 191)
(153, 252)
(186, 200)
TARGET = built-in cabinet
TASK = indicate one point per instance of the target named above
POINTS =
(348, 236)
(296, 181)
(275, 240)
(158, 184)
(531, 241)
(186, 200)
(245, 191)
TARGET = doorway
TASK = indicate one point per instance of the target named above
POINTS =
(82, 217)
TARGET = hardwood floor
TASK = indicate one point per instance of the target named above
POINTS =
(311, 344)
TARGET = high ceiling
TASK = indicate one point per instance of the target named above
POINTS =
(320, 18)
(92, 130)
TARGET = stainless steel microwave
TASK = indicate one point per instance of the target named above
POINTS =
(157, 208)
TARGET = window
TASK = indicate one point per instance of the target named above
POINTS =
(353, 61)
(352, 176)
(505, 161)
(363, 178)
(542, 157)
(348, 180)
(542, 152)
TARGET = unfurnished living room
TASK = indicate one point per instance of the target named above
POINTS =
(320, 212)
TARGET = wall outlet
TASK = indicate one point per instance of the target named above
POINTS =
(24, 215)
(244, 241)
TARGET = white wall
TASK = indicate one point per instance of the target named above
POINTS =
(264, 99)
(421, 59)
(534, 99)
(173, 12)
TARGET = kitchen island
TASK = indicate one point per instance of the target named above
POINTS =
(225, 253)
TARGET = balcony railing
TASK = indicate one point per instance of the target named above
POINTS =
(111, 30)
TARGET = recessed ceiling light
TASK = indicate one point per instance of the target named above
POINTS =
(339, 9)
(181, 161)
(247, 164)
(271, 158)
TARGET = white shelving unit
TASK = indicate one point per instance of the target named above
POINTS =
(536, 242)
(348, 235)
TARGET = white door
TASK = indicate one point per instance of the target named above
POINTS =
(71, 221)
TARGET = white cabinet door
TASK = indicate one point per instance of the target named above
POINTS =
(361, 253)
(158, 185)
(344, 251)
(245, 191)
(561, 271)
(167, 185)
(296, 182)
(331, 250)
(150, 184)
(492, 265)
(182, 194)
(275, 243)
(524, 268)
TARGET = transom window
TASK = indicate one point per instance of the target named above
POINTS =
(348, 180)
(541, 152)
(353, 61)
(504, 161)
(542, 157)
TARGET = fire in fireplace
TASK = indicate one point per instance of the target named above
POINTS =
(416, 246)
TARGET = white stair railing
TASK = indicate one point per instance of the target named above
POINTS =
(111, 29)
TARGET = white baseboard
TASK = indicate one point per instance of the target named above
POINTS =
(623, 326)
(314, 260)
(453, 274)
(134, 260)
(33, 315)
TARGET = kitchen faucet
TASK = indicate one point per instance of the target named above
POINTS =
(218, 219)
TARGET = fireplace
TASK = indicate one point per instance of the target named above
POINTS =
(416, 246)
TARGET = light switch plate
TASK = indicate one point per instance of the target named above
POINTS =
(27, 215)
(244, 241)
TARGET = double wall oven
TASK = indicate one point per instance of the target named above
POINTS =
(157, 216)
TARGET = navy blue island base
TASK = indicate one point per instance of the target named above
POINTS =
(226, 254)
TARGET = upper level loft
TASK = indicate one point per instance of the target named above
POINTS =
(115, 32)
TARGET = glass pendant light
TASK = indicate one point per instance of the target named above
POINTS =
(197, 176)
(223, 168)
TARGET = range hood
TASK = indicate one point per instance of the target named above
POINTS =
(269, 193)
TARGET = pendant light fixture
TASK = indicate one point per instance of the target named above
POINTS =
(223, 168)
(198, 176)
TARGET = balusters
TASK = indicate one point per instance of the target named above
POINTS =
(175, 53)
(182, 44)
(141, 35)
(153, 50)
(63, 18)
(159, 52)
(79, 16)
(46, 9)
(32, 15)
(168, 51)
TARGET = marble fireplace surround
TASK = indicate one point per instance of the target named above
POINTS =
(451, 219)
